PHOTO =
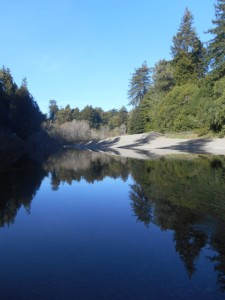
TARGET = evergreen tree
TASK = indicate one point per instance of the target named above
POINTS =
(188, 52)
(18, 110)
(64, 115)
(123, 116)
(4, 106)
(137, 121)
(216, 46)
(25, 115)
(76, 113)
(139, 84)
(91, 115)
(7, 81)
(163, 78)
(53, 108)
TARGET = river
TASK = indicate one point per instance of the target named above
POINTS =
(85, 225)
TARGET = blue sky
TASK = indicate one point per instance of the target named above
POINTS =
(81, 52)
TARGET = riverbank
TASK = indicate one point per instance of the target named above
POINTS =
(37, 147)
(150, 145)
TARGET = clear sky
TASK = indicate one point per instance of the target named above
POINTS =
(81, 52)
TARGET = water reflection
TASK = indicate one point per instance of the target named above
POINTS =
(185, 195)
(70, 165)
(188, 197)
(19, 185)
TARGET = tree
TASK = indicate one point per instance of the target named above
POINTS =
(19, 112)
(216, 46)
(187, 51)
(76, 113)
(25, 115)
(123, 116)
(91, 115)
(137, 121)
(163, 78)
(53, 108)
(64, 115)
(139, 84)
(7, 81)
(108, 115)
(4, 106)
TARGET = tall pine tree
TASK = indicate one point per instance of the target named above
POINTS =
(187, 51)
(139, 84)
(216, 46)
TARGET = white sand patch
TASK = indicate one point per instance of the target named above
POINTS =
(151, 145)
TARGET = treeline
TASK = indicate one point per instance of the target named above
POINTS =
(21, 123)
(95, 117)
(19, 112)
(73, 124)
(186, 93)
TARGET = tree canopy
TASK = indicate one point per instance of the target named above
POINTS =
(216, 46)
(187, 51)
(139, 84)
(19, 111)
(187, 93)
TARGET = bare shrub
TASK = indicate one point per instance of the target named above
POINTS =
(76, 131)
(70, 132)
(80, 131)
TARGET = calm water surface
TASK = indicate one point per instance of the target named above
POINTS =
(90, 226)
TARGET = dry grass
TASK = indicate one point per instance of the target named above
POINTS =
(189, 135)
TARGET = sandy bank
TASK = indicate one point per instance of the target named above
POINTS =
(151, 145)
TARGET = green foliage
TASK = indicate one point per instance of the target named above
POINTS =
(53, 109)
(18, 110)
(163, 76)
(64, 115)
(114, 122)
(216, 49)
(139, 84)
(92, 115)
(75, 113)
(188, 52)
(137, 122)
(123, 116)
(217, 123)
(183, 96)
(177, 111)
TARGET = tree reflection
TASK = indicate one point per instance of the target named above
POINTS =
(19, 185)
(218, 245)
(174, 194)
(182, 195)
(71, 165)
(141, 205)
(188, 243)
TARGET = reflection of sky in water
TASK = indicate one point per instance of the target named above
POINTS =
(83, 241)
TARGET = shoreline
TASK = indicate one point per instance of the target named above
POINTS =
(153, 145)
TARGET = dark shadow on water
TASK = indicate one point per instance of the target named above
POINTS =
(18, 186)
